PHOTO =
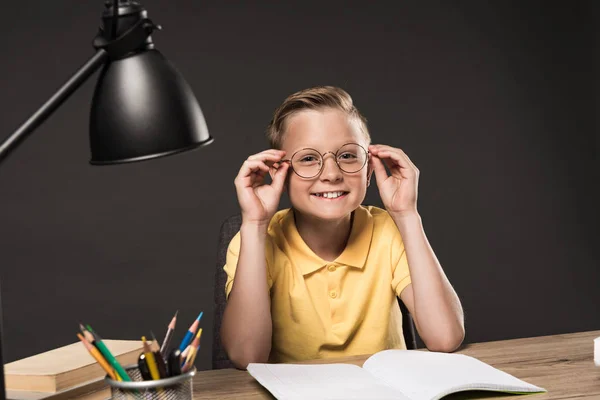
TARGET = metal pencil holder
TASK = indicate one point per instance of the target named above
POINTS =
(174, 388)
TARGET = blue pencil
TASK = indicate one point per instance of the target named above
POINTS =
(190, 333)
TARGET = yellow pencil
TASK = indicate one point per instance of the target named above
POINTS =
(185, 355)
(150, 360)
(186, 352)
(189, 361)
(189, 356)
(193, 352)
(96, 354)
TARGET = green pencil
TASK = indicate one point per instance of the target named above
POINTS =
(108, 355)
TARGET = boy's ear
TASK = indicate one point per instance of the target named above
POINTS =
(370, 171)
(286, 182)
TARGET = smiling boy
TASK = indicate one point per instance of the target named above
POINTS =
(320, 279)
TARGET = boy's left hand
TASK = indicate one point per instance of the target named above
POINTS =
(398, 191)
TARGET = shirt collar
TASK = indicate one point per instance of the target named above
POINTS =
(354, 255)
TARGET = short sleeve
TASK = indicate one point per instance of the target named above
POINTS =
(400, 271)
(233, 253)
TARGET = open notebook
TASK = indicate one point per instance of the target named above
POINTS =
(389, 374)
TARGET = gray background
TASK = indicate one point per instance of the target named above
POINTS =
(493, 102)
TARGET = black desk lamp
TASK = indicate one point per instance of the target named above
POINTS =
(142, 107)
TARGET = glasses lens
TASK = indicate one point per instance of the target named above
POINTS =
(351, 158)
(307, 163)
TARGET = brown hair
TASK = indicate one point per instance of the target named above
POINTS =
(313, 99)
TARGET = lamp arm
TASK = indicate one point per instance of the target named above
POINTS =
(62, 94)
(36, 120)
(135, 37)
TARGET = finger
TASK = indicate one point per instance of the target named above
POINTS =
(253, 179)
(261, 173)
(278, 164)
(279, 177)
(402, 153)
(379, 170)
(271, 162)
(395, 158)
(404, 160)
(271, 155)
(266, 152)
(384, 156)
(258, 179)
(250, 166)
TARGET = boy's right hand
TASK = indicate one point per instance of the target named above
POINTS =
(259, 201)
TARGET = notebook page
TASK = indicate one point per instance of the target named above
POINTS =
(424, 375)
(326, 381)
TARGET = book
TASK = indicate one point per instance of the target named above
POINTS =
(66, 367)
(93, 390)
(388, 374)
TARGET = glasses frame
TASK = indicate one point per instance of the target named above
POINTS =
(289, 160)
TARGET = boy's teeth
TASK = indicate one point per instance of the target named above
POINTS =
(330, 195)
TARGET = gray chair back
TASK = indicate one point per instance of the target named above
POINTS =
(229, 228)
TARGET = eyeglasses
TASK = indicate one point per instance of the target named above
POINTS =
(308, 163)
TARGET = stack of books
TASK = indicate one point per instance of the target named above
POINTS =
(67, 372)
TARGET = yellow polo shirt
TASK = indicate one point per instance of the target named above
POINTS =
(326, 309)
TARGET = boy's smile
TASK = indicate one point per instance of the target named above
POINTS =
(331, 195)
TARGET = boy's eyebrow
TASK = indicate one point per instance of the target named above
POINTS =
(323, 152)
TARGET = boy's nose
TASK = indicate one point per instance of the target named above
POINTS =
(331, 171)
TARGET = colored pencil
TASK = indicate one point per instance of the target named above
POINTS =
(150, 360)
(108, 355)
(87, 334)
(191, 356)
(158, 358)
(164, 348)
(96, 354)
(185, 352)
(192, 349)
(190, 333)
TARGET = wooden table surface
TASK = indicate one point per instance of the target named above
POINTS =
(562, 364)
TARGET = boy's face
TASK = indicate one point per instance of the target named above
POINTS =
(326, 131)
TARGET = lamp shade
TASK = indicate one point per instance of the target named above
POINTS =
(142, 108)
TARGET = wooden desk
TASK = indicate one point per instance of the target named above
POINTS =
(562, 364)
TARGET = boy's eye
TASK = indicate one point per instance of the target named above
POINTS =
(308, 159)
(347, 156)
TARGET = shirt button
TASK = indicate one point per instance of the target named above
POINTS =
(331, 268)
(332, 294)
